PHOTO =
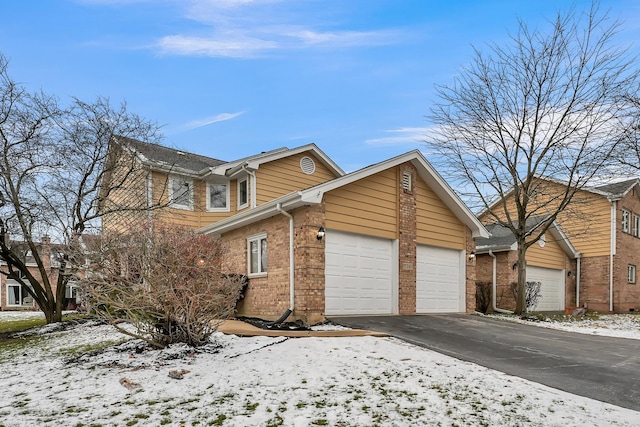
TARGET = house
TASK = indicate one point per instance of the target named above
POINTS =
(603, 224)
(552, 260)
(14, 295)
(392, 238)
(196, 191)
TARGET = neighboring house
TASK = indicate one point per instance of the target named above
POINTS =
(603, 224)
(15, 296)
(198, 190)
(392, 238)
(552, 261)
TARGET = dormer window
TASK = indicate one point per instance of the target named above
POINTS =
(181, 193)
(217, 197)
(243, 193)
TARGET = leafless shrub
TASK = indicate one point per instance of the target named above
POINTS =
(164, 279)
(533, 292)
(483, 296)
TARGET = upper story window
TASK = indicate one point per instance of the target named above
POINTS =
(626, 215)
(181, 193)
(243, 193)
(217, 197)
(636, 225)
(257, 254)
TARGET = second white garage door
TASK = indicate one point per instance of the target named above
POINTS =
(359, 274)
(440, 280)
(551, 290)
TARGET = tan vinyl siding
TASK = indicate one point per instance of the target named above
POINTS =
(436, 225)
(368, 206)
(586, 221)
(549, 256)
(283, 176)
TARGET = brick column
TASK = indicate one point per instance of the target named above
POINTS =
(407, 241)
(309, 264)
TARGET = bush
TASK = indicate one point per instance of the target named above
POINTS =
(532, 293)
(164, 279)
(483, 296)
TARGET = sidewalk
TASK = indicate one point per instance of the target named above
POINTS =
(237, 327)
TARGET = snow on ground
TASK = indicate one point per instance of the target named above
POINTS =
(63, 378)
(612, 325)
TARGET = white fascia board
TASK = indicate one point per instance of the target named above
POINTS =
(563, 241)
(287, 202)
(448, 196)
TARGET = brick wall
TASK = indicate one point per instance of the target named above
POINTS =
(594, 283)
(470, 284)
(626, 295)
(407, 243)
(268, 296)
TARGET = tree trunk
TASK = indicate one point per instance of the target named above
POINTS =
(521, 306)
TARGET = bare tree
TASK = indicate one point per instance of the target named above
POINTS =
(164, 279)
(551, 103)
(53, 165)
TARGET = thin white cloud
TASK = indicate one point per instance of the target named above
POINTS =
(211, 120)
(401, 136)
(240, 47)
(254, 28)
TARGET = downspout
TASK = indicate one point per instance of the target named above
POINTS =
(495, 286)
(578, 281)
(612, 252)
(291, 266)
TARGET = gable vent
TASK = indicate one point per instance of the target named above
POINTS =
(307, 165)
(406, 181)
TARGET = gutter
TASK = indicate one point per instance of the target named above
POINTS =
(291, 266)
(494, 284)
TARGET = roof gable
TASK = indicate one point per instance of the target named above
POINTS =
(314, 195)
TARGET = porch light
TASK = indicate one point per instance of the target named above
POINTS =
(472, 255)
(320, 233)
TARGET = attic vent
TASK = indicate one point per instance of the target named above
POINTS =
(307, 165)
(406, 181)
(180, 153)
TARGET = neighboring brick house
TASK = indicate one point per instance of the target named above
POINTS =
(552, 261)
(14, 295)
(603, 224)
(392, 238)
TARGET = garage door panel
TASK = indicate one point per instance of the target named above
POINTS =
(551, 289)
(358, 274)
(439, 280)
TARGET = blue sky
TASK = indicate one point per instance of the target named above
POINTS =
(230, 78)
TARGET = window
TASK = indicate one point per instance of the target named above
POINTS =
(631, 273)
(181, 193)
(18, 294)
(243, 193)
(636, 225)
(625, 220)
(218, 197)
(257, 254)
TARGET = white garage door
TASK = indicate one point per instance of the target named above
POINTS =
(552, 289)
(358, 274)
(440, 280)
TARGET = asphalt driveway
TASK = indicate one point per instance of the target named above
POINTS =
(601, 368)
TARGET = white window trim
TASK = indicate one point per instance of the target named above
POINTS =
(636, 225)
(626, 216)
(631, 273)
(240, 181)
(257, 238)
(179, 205)
(227, 202)
(12, 282)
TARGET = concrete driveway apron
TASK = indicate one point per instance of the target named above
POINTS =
(601, 368)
